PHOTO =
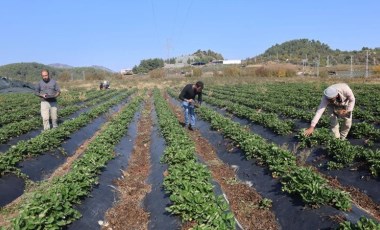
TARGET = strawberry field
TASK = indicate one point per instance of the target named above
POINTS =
(121, 159)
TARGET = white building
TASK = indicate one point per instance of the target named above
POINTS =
(231, 62)
(126, 72)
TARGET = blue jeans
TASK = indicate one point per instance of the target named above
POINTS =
(189, 111)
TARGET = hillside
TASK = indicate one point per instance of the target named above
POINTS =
(102, 68)
(310, 51)
(30, 72)
(298, 52)
(59, 65)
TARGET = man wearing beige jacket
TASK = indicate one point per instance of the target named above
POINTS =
(339, 101)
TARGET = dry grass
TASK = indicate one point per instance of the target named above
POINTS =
(246, 77)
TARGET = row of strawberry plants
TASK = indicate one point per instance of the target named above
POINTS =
(74, 96)
(17, 128)
(12, 102)
(52, 138)
(308, 96)
(362, 224)
(268, 120)
(26, 110)
(21, 111)
(304, 97)
(365, 130)
(295, 95)
(53, 207)
(357, 130)
(29, 108)
(302, 181)
(271, 106)
(189, 182)
(367, 97)
(341, 151)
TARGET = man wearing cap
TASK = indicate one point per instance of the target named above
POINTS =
(339, 101)
(187, 96)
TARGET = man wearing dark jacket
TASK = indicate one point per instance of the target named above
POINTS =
(48, 90)
(187, 96)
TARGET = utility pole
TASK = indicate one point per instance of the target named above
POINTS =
(168, 47)
(304, 64)
(319, 59)
(277, 58)
(328, 61)
(366, 66)
(351, 73)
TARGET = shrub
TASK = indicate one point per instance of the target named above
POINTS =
(157, 73)
(281, 73)
(197, 72)
(290, 73)
(323, 74)
(248, 72)
(65, 76)
(262, 72)
(376, 69)
(94, 76)
(217, 73)
(231, 71)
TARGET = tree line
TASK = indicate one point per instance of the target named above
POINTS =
(31, 72)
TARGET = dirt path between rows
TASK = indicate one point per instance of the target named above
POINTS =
(358, 198)
(243, 199)
(132, 187)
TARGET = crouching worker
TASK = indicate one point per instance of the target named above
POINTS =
(339, 101)
(187, 96)
(48, 90)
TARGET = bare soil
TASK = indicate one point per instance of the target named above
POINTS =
(132, 187)
(359, 198)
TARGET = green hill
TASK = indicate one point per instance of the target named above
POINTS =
(297, 51)
(30, 72)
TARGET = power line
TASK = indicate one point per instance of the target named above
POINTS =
(185, 19)
(154, 19)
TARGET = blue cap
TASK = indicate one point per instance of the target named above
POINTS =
(331, 92)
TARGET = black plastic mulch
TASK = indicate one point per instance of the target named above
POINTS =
(103, 196)
(156, 201)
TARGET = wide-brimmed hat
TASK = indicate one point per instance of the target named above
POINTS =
(331, 92)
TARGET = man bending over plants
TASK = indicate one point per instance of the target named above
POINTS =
(339, 101)
(187, 96)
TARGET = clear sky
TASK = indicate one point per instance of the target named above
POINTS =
(119, 33)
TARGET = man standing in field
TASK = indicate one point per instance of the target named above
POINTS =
(48, 90)
(187, 96)
(339, 101)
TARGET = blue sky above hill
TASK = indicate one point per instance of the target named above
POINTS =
(118, 34)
